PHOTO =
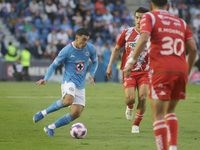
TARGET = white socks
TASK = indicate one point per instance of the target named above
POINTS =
(52, 126)
(44, 112)
(173, 147)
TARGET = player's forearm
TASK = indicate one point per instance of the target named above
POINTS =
(191, 45)
(50, 71)
(140, 46)
(94, 68)
(114, 55)
(191, 60)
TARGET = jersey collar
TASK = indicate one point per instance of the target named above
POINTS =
(72, 44)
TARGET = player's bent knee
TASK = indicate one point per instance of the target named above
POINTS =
(142, 98)
(67, 100)
(130, 100)
(75, 114)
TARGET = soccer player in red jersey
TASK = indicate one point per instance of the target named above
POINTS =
(169, 37)
(139, 75)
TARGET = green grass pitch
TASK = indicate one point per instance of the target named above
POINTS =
(104, 117)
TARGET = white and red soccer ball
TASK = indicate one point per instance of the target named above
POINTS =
(78, 130)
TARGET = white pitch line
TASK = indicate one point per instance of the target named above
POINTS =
(25, 97)
(56, 97)
(46, 97)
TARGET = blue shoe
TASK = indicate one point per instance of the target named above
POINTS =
(48, 131)
(37, 117)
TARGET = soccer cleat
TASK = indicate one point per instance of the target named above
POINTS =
(37, 117)
(48, 131)
(135, 129)
(129, 113)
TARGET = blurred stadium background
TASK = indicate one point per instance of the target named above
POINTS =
(43, 27)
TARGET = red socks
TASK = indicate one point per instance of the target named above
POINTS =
(172, 128)
(131, 106)
(138, 118)
(160, 131)
(163, 130)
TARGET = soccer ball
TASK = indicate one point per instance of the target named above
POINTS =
(78, 130)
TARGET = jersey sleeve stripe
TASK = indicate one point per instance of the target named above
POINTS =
(185, 25)
(189, 38)
(56, 63)
(152, 18)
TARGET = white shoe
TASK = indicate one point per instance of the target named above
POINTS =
(135, 129)
(129, 113)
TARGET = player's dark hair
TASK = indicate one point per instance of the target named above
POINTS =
(82, 31)
(141, 10)
(159, 2)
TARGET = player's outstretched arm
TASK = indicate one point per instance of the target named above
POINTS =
(91, 80)
(113, 57)
(191, 45)
(109, 71)
(41, 82)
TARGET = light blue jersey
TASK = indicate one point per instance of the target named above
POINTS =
(76, 63)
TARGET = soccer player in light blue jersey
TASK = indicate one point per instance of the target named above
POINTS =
(75, 57)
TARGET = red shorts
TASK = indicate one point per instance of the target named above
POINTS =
(136, 79)
(168, 86)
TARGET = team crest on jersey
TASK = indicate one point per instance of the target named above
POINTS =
(71, 89)
(59, 53)
(87, 53)
(80, 66)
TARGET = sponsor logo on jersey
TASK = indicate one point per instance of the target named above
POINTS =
(132, 44)
(132, 38)
(168, 18)
(87, 53)
(80, 66)
(167, 23)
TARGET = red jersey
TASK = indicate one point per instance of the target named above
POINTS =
(128, 40)
(168, 36)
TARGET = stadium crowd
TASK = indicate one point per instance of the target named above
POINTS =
(51, 24)
(45, 26)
